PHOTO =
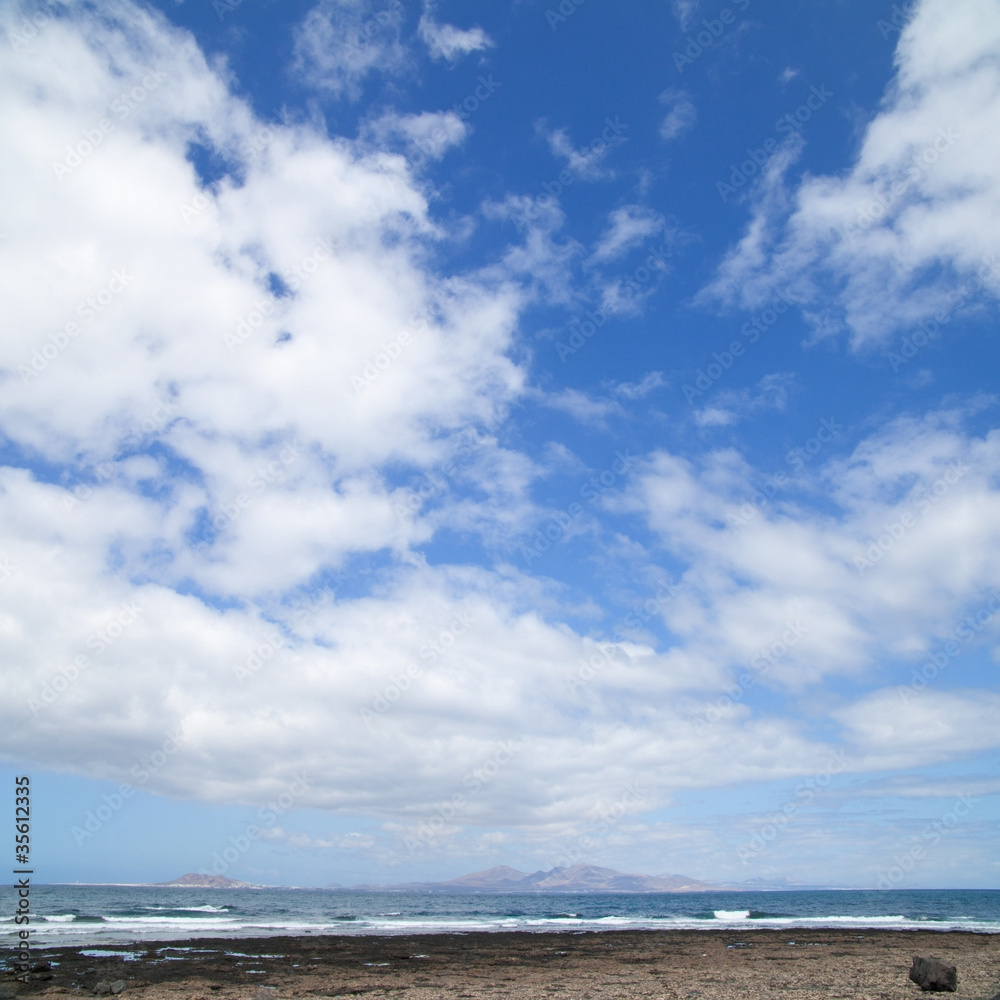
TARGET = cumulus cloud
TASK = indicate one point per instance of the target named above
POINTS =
(909, 229)
(237, 407)
(832, 591)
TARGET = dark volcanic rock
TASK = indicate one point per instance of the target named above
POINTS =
(933, 975)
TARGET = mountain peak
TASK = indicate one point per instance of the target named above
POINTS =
(576, 878)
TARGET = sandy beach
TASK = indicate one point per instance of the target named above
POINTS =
(861, 965)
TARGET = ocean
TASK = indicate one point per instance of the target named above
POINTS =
(116, 915)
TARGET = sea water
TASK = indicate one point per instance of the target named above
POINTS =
(105, 915)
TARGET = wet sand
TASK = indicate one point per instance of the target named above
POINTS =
(686, 965)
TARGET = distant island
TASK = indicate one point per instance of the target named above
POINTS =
(503, 878)
(193, 881)
(578, 878)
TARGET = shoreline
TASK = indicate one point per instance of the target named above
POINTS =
(482, 965)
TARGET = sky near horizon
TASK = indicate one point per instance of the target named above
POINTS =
(438, 435)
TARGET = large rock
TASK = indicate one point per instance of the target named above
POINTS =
(104, 987)
(933, 975)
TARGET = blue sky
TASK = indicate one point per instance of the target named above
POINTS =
(440, 435)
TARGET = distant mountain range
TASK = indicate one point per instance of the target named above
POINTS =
(577, 878)
(503, 878)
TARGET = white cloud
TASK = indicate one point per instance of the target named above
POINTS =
(369, 356)
(681, 115)
(918, 786)
(730, 406)
(445, 41)
(761, 559)
(341, 42)
(586, 161)
(922, 727)
(900, 235)
(585, 408)
(541, 261)
(684, 11)
(627, 227)
(639, 390)
(335, 841)
(215, 488)
(425, 136)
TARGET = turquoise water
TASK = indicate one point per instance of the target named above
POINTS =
(93, 915)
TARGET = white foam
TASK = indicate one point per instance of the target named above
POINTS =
(63, 929)
(189, 909)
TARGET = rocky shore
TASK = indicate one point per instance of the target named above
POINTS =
(660, 965)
